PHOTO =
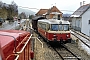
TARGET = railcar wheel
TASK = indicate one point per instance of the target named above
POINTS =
(61, 41)
(69, 40)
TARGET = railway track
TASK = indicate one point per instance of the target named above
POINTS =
(26, 26)
(65, 54)
(81, 34)
(84, 39)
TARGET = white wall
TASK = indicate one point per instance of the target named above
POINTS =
(85, 23)
(47, 16)
(76, 22)
(73, 22)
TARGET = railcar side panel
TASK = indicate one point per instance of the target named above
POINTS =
(42, 32)
(58, 35)
(8, 49)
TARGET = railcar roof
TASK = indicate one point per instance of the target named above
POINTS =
(6, 37)
(38, 18)
(54, 21)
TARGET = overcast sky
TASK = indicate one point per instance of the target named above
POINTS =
(62, 5)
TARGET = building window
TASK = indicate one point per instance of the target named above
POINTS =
(89, 21)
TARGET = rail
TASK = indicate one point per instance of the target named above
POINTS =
(80, 39)
(38, 40)
(71, 52)
(25, 44)
(75, 57)
(58, 54)
(82, 35)
(16, 57)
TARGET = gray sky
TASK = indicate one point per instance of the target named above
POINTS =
(62, 5)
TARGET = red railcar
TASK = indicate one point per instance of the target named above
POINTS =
(15, 45)
(54, 30)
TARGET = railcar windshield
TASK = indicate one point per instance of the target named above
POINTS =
(59, 27)
(66, 27)
(54, 27)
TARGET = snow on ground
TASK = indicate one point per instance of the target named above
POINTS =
(82, 46)
(6, 25)
(71, 32)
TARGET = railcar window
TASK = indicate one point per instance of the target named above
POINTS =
(48, 26)
(54, 27)
(60, 27)
(39, 24)
(66, 27)
(44, 26)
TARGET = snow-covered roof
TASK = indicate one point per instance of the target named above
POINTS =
(81, 10)
(55, 13)
(74, 15)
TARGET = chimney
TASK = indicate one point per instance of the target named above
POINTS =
(83, 2)
(80, 3)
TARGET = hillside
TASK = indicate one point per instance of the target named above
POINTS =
(27, 12)
(66, 15)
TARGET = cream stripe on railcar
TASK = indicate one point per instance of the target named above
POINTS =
(58, 31)
(54, 21)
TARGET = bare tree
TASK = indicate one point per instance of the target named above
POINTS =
(22, 15)
(12, 11)
(8, 10)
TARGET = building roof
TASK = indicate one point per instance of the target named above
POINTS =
(42, 11)
(81, 10)
(53, 9)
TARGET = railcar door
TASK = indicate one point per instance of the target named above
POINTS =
(42, 29)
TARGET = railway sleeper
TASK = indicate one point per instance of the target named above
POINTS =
(71, 57)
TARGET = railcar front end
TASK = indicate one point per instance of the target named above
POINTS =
(61, 38)
(59, 33)
(54, 31)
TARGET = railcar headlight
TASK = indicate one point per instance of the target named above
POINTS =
(67, 35)
(54, 37)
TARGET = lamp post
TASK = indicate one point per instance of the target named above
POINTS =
(15, 20)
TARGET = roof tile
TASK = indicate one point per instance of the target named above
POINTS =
(41, 11)
(81, 10)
